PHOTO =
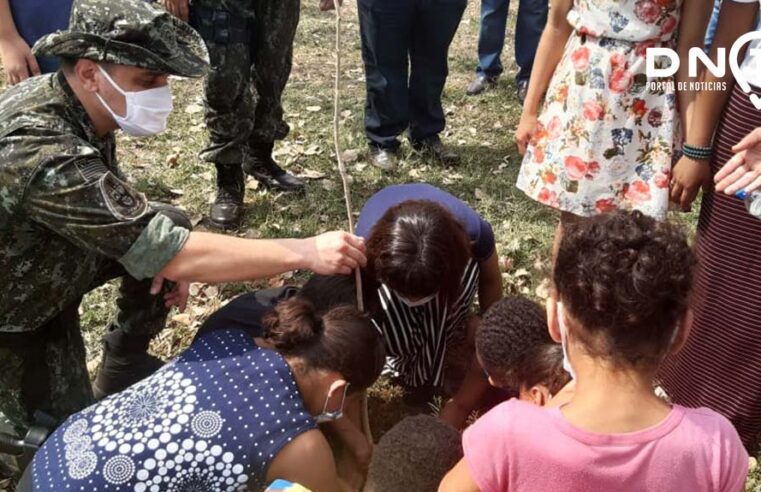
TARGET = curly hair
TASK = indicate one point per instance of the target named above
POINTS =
(625, 280)
(543, 365)
(509, 328)
(414, 455)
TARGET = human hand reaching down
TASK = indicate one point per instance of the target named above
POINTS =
(176, 295)
(743, 170)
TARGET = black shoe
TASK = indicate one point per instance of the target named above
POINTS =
(125, 362)
(384, 159)
(263, 167)
(480, 84)
(521, 89)
(433, 149)
(227, 209)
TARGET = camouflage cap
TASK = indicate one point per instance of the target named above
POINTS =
(129, 32)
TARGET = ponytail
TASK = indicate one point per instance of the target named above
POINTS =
(292, 325)
(343, 340)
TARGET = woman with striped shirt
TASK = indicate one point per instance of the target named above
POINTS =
(718, 367)
(428, 255)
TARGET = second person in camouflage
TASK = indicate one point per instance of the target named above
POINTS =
(250, 45)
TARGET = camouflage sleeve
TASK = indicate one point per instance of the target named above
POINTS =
(79, 198)
(159, 242)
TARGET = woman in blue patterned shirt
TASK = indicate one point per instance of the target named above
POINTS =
(231, 413)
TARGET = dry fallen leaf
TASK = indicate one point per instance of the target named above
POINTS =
(182, 318)
(350, 155)
(313, 109)
(193, 108)
(176, 192)
(172, 160)
(212, 291)
(311, 174)
(480, 194)
(505, 263)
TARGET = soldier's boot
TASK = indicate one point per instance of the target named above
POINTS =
(263, 167)
(125, 362)
(227, 209)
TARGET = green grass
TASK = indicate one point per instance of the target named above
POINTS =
(167, 168)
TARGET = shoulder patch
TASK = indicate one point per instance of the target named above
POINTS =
(91, 169)
(122, 200)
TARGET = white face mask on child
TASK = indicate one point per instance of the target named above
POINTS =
(147, 110)
(564, 340)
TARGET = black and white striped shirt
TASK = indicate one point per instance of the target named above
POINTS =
(416, 337)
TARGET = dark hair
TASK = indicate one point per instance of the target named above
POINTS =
(543, 365)
(509, 328)
(414, 455)
(329, 291)
(419, 248)
(625, 281)
(343, 340)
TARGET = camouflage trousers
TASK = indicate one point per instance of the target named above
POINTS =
(250, 65)
(46, 369)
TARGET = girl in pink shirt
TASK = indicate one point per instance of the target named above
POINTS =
(620, 305)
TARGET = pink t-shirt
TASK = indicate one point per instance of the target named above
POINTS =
(518, 446)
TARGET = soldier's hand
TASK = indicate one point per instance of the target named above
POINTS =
(178, 8)
(177, 295)
(335, 253)
(18, 61)
(329, 4)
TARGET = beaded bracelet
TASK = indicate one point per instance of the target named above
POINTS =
(697, 153)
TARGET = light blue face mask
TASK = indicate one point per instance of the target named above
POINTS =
(327, 416)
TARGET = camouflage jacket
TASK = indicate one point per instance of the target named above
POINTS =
(64, 206)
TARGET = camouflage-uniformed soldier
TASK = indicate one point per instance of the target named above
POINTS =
(69, 221)
(250, 45)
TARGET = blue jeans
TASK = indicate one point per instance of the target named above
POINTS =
(711, 31)
(532, 17)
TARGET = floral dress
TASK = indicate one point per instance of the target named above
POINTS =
(607, 133)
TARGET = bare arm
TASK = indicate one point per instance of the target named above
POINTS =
(689, 175)
(307, 461)
(489, 283)
(459, 479)
(215, 258)
(692, 31)
(548, 55)
(472, 390)
(17, 58)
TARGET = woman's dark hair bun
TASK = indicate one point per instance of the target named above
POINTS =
(293, 324)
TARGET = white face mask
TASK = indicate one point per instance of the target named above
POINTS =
(147, 110)
(564, 341)
(419, 302)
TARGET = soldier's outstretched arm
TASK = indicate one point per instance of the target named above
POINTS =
(215, 258)
(77, 197)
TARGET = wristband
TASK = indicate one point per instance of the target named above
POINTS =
(697, 153)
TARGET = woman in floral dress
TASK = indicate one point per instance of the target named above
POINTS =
(607, 132)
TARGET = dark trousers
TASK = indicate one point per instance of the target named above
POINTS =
(404, 47)
(250, 66)
(532, 17)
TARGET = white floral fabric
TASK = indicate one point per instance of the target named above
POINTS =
(607, 134)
